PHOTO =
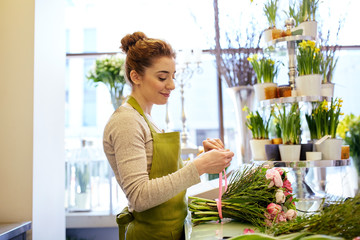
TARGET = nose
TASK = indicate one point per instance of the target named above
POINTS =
(170, 84)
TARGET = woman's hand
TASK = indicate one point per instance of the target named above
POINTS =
(213, 161)
(212, 143)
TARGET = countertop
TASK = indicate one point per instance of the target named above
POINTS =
(216, 231)
(11, 230)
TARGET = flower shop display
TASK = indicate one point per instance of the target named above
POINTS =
(255, 195)
(289, 123)
(323, 121)
(266, 71)
(110, 71)
(259, 128)
(308, 81)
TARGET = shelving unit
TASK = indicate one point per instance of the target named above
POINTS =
(307, 197)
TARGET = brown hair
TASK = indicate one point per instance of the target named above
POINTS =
(141, 52)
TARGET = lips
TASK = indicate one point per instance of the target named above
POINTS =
(165, 94)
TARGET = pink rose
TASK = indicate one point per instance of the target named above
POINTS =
(290, 214)
(279, 170)
(281, 217)
(268, 223)
(274, 175)
(273, 208)
(279, 196)
(248, 230)
(287, 185)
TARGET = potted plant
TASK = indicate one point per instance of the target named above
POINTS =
(270, 10)
(110, 71)
(349, 130)
(289, 123)
(266, 70)
(307, 15)
(82, 193)
(259, 128)
(272, 150)
(323, 121)
(308, 81)
(328, 65)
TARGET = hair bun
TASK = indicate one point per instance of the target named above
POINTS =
(131, 39)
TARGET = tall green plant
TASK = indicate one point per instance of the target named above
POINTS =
(270, 10)
(258, 126)
(265, 68)
(324, 119)
(308, 58)
(289, 123)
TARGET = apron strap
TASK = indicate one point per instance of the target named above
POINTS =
(132, 101)
(123, 219)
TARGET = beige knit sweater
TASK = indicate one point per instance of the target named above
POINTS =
(128, 146)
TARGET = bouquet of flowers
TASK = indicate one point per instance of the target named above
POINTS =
(257, 125)
(324, 119)
(111, 72)
(265, 68)
(309, 58)
(257, 195)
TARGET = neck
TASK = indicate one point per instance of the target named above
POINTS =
(145, 106)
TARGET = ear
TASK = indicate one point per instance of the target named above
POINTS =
(135, 77)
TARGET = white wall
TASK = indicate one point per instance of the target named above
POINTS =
(32, 66)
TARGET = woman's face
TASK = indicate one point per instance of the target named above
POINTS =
(158, 81)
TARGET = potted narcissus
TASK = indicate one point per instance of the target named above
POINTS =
(323, 122)
(305, 18)
(266, 71)
(308, 81)
(289, 121)
(259, 128)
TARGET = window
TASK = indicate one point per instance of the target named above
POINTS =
(186, 25)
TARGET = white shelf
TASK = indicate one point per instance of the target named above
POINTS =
(307, 164)
(289, 39)
(280, 100)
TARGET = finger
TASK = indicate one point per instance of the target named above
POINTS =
(215, 143)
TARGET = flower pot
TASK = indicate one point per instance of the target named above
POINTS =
(265, 91)
(330, 148)
(309, 29)
(327, 89)
(313, 156)
(276, 141)
(277, 33)
(305, 147)
(284, 91)
(258, 148)
(290, 153)
(308, 85)
(272, 152)
(268, 35)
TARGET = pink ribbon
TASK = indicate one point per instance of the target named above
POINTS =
(218, 201)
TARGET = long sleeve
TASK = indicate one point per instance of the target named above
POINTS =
(128, 146)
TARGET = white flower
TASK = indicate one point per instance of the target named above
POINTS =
(280, 197)
(290, 214)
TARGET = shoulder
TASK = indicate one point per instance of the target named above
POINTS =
(124, 121)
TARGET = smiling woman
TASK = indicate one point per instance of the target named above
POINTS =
(146, 161)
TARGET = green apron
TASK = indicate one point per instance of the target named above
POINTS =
(166, 220)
